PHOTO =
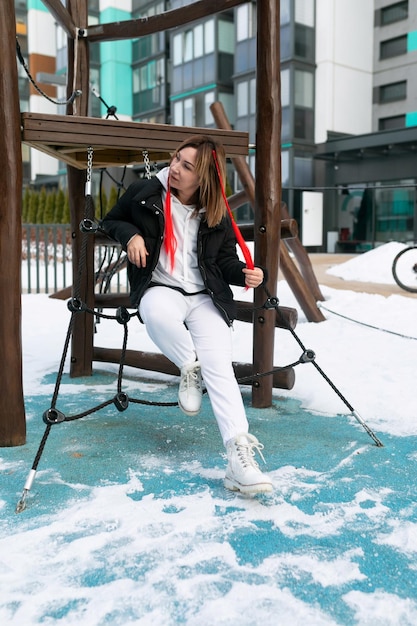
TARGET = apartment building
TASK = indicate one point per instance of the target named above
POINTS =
(370, 175)
(349, 106)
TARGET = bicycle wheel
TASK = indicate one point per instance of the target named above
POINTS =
(404, 269)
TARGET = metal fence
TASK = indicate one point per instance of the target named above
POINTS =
(47, 261)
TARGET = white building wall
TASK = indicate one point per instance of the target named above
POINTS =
(41, 40)
(344, 59)
(395, 69)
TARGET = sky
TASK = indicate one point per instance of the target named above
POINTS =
(127, 521)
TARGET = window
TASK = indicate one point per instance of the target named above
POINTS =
(389, 123)
(286, 134)
(177, 49)
(193, 43)
(228, 101)
(303, 92)
(393, 47)
(393, 92)
(252, 96)
(304, 124)
(285, 88)
(245, 21)
(242, 92)
(226, 39)
(150, 44)
(148, 76)
(285, 12)
(304, 44)
(285, 42)
(304, 12)
(209, 37)
(188, 112)
(394, 13)
(188, 45)
(285, 167)
(208, 100)
(184, 112)
(198, 41)
(246, 97)
(303, 171)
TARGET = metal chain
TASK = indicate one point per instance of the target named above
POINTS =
(90, 152)
(147, 163)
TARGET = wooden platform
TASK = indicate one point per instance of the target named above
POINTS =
(115, 143)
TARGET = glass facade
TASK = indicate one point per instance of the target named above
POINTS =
(377, 213)
(149, 69)
(202, 67)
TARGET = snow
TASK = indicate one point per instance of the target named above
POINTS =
(110, 537)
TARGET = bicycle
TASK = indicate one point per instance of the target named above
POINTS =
(404, 268)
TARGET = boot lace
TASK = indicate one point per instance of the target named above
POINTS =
(246, 451)
(191, 379)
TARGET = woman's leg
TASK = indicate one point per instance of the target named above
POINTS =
(213, 343)
(163, 311)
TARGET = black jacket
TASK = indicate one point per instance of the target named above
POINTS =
(139, 211)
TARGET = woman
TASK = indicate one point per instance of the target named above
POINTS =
(181, 248)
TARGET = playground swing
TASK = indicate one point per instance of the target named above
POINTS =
(121, 399)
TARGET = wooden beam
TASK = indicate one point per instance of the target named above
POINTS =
(155, 362)
(289, 226)
(130, 29)
(300, 287)
(67, 137)
(287, 317)
(12, 411)
(303, 260)
(62, 16)
(267, 185)
(82, 249)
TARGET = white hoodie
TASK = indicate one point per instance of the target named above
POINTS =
(186, 273)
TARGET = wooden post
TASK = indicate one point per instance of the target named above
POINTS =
(83, 283)
(301, 288)
(12, 411)
(267, 187)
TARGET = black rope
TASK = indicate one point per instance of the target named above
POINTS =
(351, 319)
(121, 399)
(70, 100)
(309, 356)
(111, 110)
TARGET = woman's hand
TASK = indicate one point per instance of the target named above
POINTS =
(253, 278)
(136, 251)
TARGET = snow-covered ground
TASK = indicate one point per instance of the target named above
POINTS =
(128, 522)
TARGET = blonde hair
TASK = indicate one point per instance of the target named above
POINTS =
(210, 191)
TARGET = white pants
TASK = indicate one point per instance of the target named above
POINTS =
(208, 338)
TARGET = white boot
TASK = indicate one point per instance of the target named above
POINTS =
(190, 391)
(243, 473)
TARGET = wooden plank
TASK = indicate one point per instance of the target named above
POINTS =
(287, 317)
(155, 362)
(130, 29)
(115, 143)
(100, 129)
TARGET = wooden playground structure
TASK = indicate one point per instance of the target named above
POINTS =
(69, 137)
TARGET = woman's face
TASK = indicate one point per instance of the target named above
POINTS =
(182, 175)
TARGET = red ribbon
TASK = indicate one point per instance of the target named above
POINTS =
(239, 237)
(170, 242)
